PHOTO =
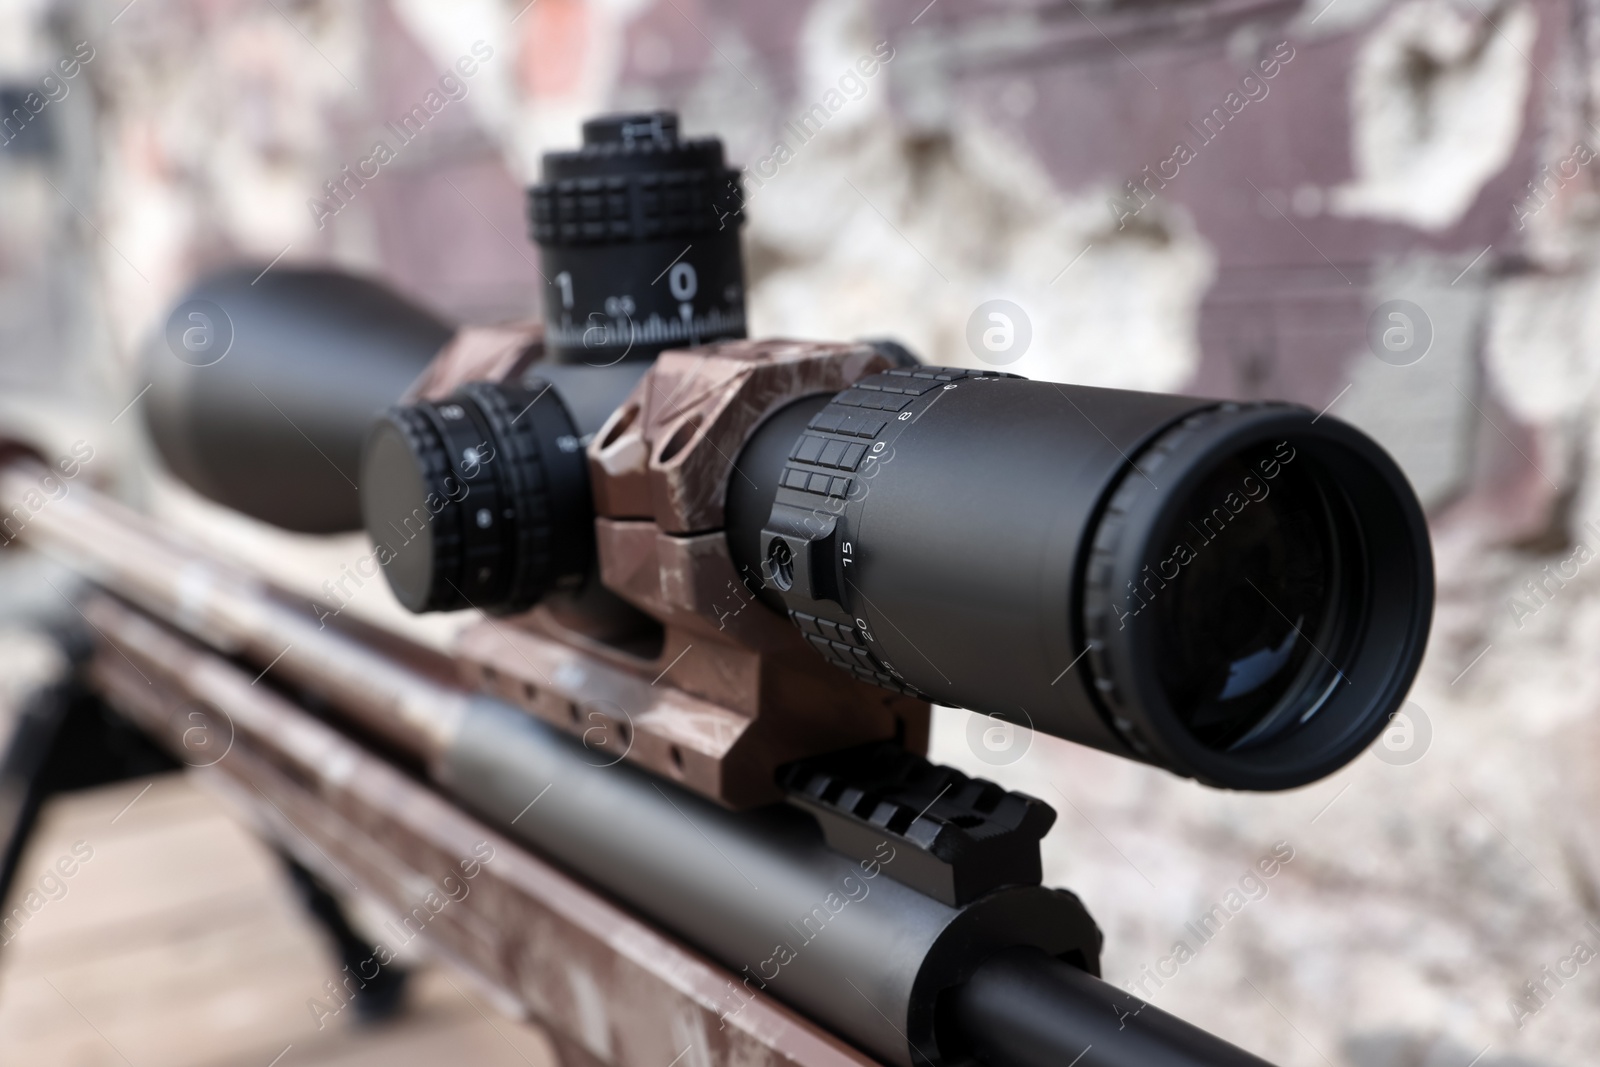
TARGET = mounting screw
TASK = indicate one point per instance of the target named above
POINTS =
(780, 564)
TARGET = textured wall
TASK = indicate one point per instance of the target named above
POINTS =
(1167, 214)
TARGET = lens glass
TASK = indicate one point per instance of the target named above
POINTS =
(394, 506)
(1242, 591)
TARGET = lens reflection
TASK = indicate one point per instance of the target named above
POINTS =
(1246, 579)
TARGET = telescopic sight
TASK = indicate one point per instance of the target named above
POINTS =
(1239, 593)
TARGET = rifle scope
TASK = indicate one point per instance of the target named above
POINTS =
(1239, 593)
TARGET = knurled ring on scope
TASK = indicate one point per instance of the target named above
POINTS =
(805, 551)
(489, 502)
(632, 208)
(468, 445)
(524, 487)
(648, 188)
(1099, 612)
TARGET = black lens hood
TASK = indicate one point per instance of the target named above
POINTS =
(1386, 584)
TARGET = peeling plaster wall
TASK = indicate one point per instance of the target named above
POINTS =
(1438, 90)
(871, 236)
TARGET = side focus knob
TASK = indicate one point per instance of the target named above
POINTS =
(480, 500)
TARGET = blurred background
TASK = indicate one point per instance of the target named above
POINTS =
(1382, 208)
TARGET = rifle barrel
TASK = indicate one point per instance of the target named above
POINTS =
(1022, 1008)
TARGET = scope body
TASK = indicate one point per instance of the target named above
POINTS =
(1240, 593)
(263, 385)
